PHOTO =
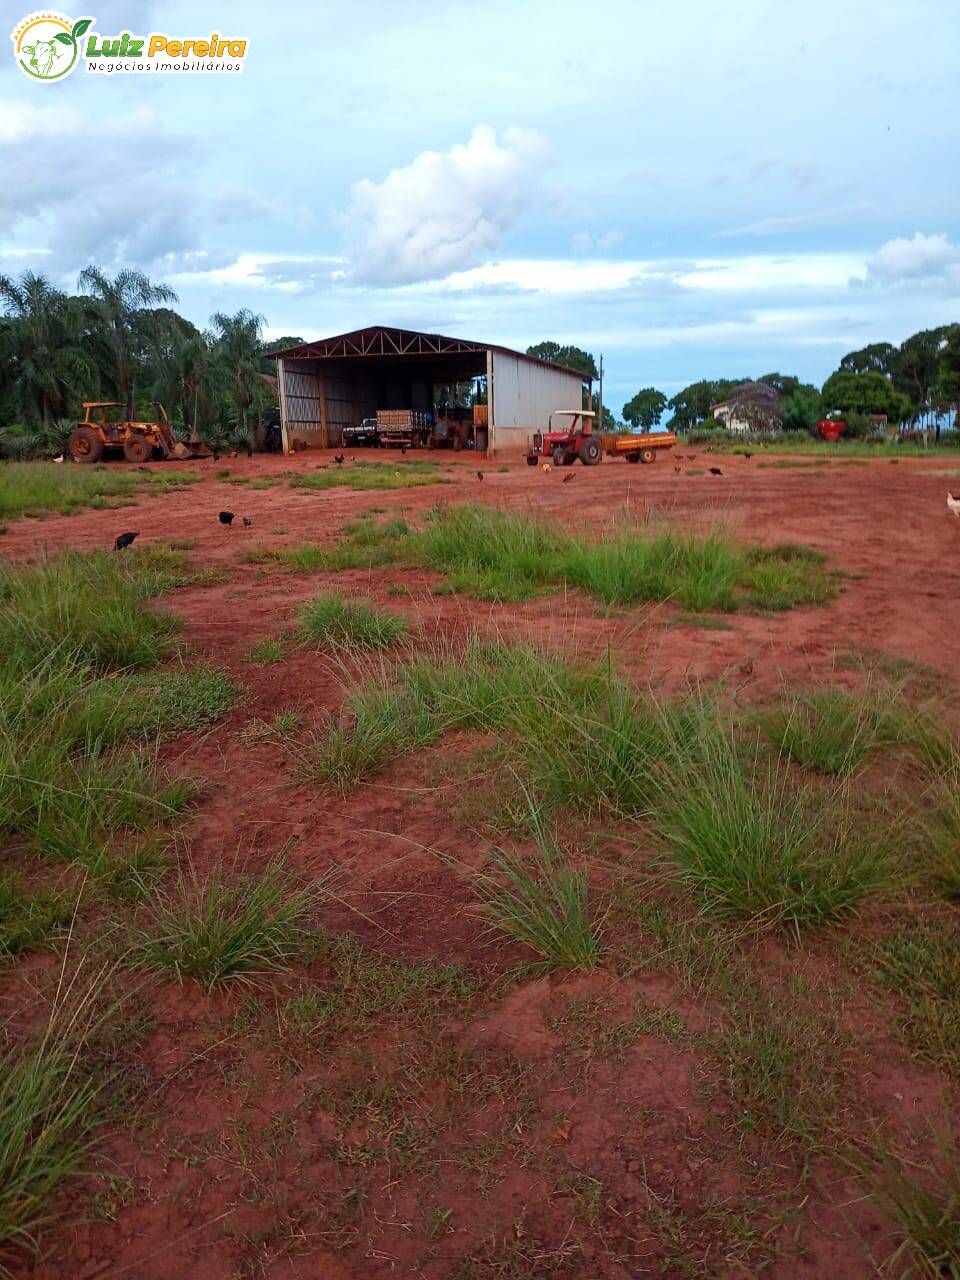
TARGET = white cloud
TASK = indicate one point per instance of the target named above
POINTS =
(584, 242)
(22, 121)
(923, 258)
(796, 221)
(444, 210)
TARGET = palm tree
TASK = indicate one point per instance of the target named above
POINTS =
(239, 350)
(120, 319)
(41, 345)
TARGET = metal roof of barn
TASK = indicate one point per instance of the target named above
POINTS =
(380, 341)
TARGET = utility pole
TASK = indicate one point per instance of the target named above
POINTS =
(600, 417)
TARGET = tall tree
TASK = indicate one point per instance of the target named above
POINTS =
(41, 346)
(572, 357)
(802, 408)
(239, 352)
(947, 390)
(919, 365)
(118, 322)
(869, 393)
(693, 403)
(878, 357)
(646, 409)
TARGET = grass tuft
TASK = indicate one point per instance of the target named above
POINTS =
(226, 929)
(330, 621)
(924, 1202)
(546, 906)
(47, 1114)
(751, 843)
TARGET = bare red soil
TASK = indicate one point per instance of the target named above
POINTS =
(488, 1136)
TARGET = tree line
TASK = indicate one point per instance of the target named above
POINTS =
(919, 377)
(118, 338)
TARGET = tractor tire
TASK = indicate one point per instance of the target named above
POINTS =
(532, 460)
(648, 455)
(633, 457)
(590, 451)
(138, 449)
(85, 445)
(559, 456)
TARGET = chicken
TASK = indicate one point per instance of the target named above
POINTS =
(247, 522)
(546, 467)
(59, 458)
(715, 471)
(226, 517)
(125, 540)
(339, 459)
(748, 456)
(678, 470)
(691, 457)
(479, 475)
(953, 504)
(571, 475)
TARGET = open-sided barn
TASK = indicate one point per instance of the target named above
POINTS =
(336, 382)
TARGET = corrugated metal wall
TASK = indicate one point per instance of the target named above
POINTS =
(524, 394)
(300, 401)
(338, 396)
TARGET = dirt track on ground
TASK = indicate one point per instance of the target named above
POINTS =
(216, 1186)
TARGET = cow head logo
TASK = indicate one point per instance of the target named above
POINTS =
(47, 45)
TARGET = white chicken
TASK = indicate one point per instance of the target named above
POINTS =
(546, 467)
(953, 504)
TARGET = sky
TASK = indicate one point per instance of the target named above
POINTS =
(693, 190)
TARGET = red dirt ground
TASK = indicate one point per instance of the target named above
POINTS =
(250, 1156)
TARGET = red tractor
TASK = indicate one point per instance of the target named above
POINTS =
(565, 446)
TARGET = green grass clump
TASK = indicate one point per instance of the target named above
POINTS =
(786, 577)
(942, 840)
(922, 966)
(185, 699)
(371, 475)
(545, 905)
(266, 652)
(307, 558)
(924, 1202)
(502, 556)
(47, 488)
(47, 1113)
(72, 632)
(330, 621)
(699, 573)
(754, 844)
(91, 605)
(266, 482)
(834, 731)
(28, 920)
(226, 928)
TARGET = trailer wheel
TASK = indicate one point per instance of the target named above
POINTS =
(85, 445)
(138, 449)
(590, 451)
(633, 457)
(648, 455)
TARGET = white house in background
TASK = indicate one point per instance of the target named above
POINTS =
(753, 406)
(726, 414)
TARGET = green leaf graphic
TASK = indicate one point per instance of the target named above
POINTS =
(80, 26)
(63, 37)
